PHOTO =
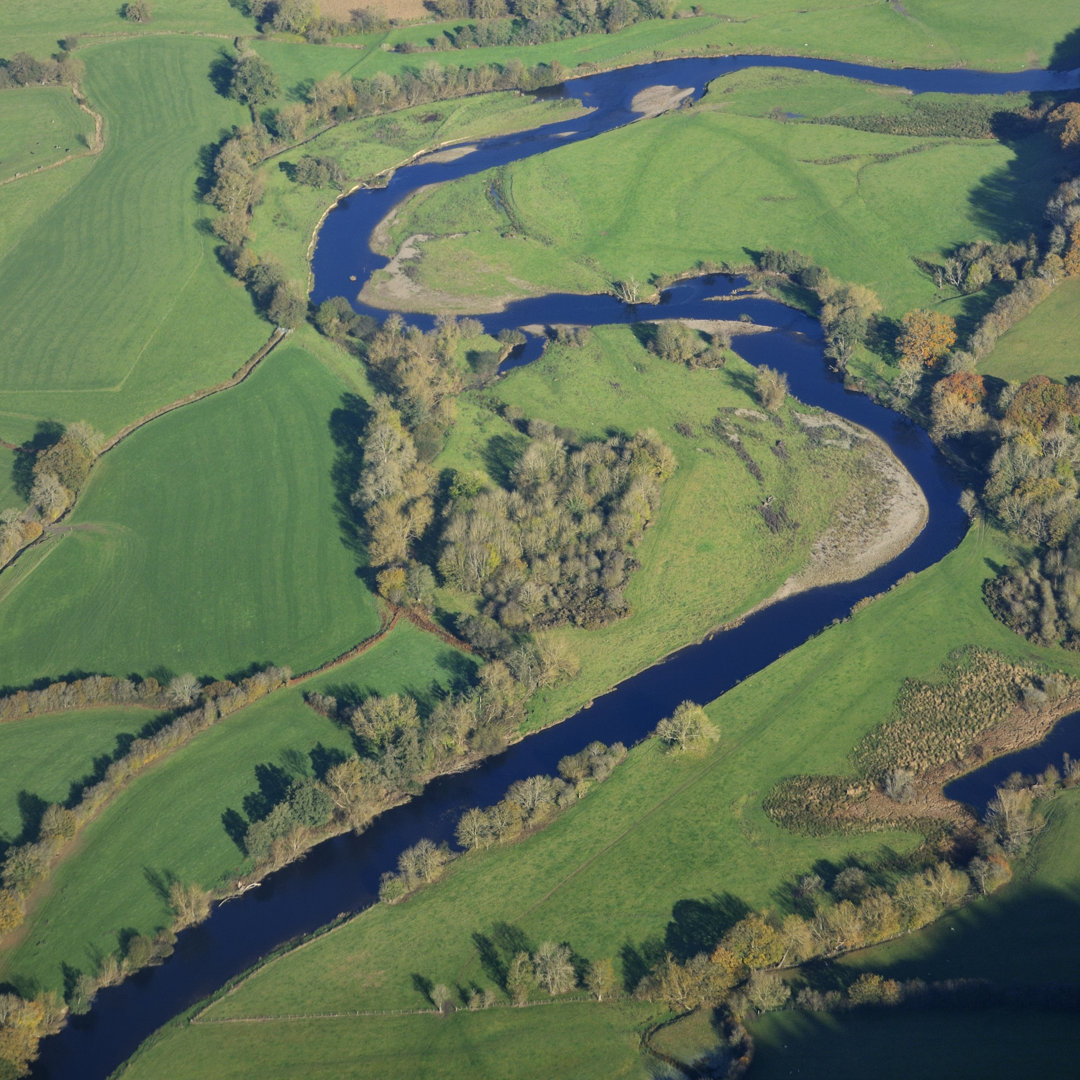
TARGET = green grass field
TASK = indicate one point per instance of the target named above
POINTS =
(1046, 342)
(114, 301)
(932, 33)
(9, 496)
(206, 542)
(169, 820)
(595, 1043)
(860, 204)
(36, 27)
(44, 755)
(1023, 934)
(40, 126)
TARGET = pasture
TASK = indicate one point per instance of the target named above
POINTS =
(595, 1043)
(40, 126)
(209, 540)
(1046, 342)
(46, 756)
(148, 315)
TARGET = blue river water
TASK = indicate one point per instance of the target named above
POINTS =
(342, 875)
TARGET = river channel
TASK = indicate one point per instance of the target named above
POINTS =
(341, 875)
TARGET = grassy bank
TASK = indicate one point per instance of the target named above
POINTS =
(169, 822)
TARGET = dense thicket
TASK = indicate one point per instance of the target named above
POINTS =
(554, 546)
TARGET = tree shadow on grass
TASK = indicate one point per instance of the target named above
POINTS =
(501, 454)
(698, 925)
(347, 424)
(1066, 54)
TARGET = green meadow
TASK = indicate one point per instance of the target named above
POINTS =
(114, 301)
(594, 1043)
(207, 541)
(1046, 342)
(9, 496)
(714, 184)
(36, 27)
(40, 126)
(1022, 935)
(168, 822)
(44, 756)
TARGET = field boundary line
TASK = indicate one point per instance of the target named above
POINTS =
(349, 1014)
(92, 150)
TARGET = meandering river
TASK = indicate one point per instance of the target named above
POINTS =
(342, 875)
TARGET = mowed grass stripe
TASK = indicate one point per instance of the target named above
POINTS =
(123, 251)
(205, 542)
(169, 819)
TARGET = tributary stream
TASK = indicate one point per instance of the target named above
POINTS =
(342, 875)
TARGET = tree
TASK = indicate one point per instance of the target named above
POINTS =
(288, 305)
(474, 830)
(957, 404)
(12, 910)
(352, 793)
(552, 967)
(183, 689)
(253, 80)
(520, 978)
(771, 387)
(674, 341)
(688, 725)
(190, 903)
(294, 16)
(600, 979)
(845, 317)
(926, 337)
(138, 11)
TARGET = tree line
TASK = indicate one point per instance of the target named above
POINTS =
(529, 804)
(197, 708)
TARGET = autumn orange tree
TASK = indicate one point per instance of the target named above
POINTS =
(957, 404)
(927, 336)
